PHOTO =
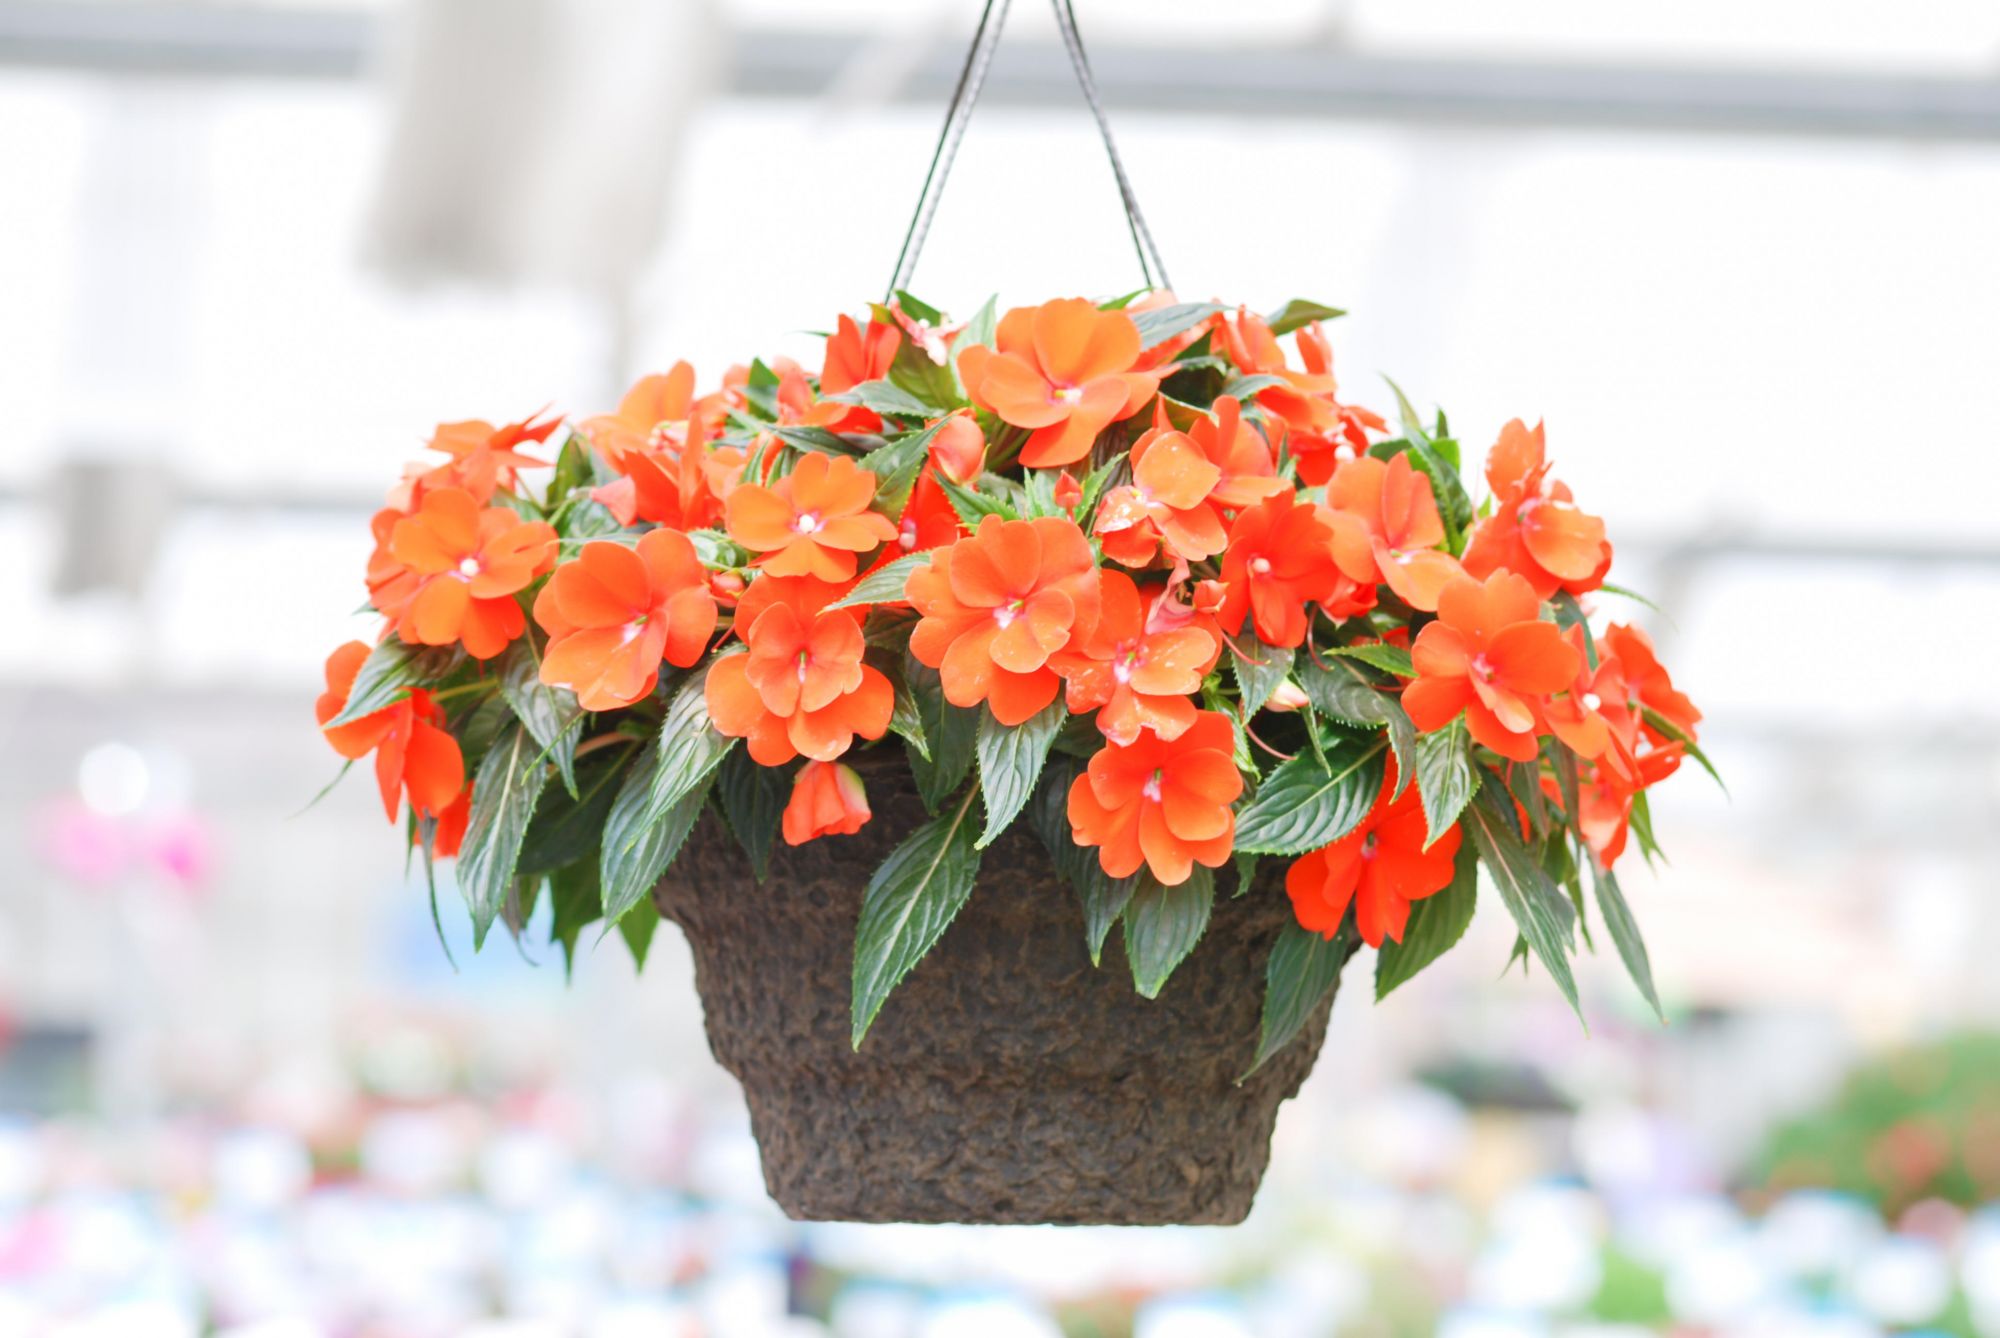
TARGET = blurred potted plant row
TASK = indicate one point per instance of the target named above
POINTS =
(1131, 574)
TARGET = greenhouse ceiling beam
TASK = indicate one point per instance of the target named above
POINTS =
(157, 37)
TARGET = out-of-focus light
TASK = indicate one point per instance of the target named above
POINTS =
(987, 1317)
(1192, 1317)
(114, 779)
(1902, 1281)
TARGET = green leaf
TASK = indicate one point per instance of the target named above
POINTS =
(896, 466)
(574, 469)
(906, 717)
(1390, 659)
(1618, 918)
(1524, 782)
(636, 927)
(509, 782)
(884, 586)
(1303, 969)
(1102, 897)
(1259, 669)
(589, 519)
(551, 715)
(973, 507)
(916, 308)
(886, 397)
(950, 731)
(1686, 740)
(1010, 761)
(385, 678)
(691, 747)
(1094, 484)
(566, 828)
(1524, 888)
(1641, 819)
(1632, 595)
(753, 800)
(1298, 313)
(1570, 614)
(1344, 691)
(1244, 388)
(925, 381)
(576, 902)
(1163, 924)
(1157, 327)
(979, 332)
(1437, 923)
(813, 439)
(1302, 805)
(909, 903)
(1454, 503)
(640, 840)
(1445, 777)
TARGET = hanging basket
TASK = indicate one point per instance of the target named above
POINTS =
(1200, 676)
(1010, 1079)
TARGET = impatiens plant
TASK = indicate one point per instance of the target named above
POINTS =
(1131, 572)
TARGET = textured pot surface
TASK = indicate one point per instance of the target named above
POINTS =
(1007, 1079)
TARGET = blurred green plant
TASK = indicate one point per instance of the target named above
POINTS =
(1919, 1123)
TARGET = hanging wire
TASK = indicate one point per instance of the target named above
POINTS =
(971, 77)
(1135, 219)
(965, 96)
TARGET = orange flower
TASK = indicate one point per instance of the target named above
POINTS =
(483, 458)
(655, 441)
(1489, 656)
(1535, 528)
(1160, 803)
(456, 569)
(1133, 673)
(653, 416)
(854, 356)
(1604, 798)
(413, 751)
(828, 799)
(1593, 715)
(1279, 560)
(1063, 369)
(1318, 448)
(615, 613)
(997, 605)
(1647, 682)
(1386, 529)
(1181, 485)
(800, 404)
(813, 521)
(958, 451)
(1381, 867)
(929, 521)
(1306, 399)
(802, 688)
(449, 834)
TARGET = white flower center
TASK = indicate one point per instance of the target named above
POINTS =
(807, 523)
(1151, 789)
(1260, 566)
(469, 568)
(1592, 700)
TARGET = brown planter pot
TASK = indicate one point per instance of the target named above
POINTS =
(1007, 1080)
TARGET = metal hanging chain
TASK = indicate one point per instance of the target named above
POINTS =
(965, 96)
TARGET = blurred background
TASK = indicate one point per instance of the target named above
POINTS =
(1740, 257)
